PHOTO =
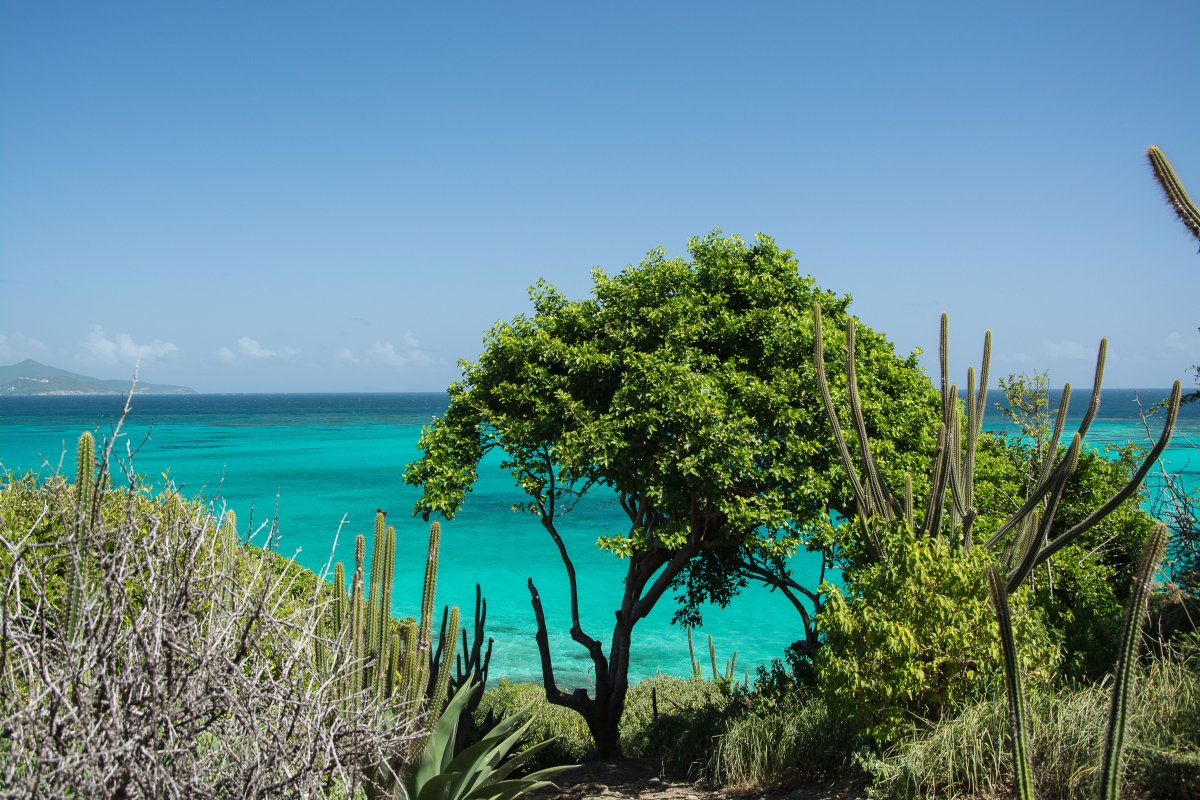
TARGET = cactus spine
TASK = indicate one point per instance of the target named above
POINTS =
(1172, 187)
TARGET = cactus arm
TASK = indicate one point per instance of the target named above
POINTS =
(1018, 722)
(1131, 634)
(937, 486)
(376, 623)
(425, 632)
(1172, 187)
(880, 497)
(692, 655)
(358, 612)
(1097, 381)
(1129, 488)
(437, 700)
(1059, 422)
(860, 494)
(1042, 528)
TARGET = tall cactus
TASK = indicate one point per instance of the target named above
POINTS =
(1172, 187)
(85, 475)
(1135, 614)
(85, 510)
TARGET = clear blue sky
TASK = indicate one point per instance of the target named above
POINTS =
(291, 196)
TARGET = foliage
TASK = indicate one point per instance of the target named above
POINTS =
(482, 771)
(1081, 591)
(911, 638)
(687, 388)
(676, 720)
(681, 735)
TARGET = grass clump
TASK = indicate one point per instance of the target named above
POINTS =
(677, 720)
(969, 755)
(795, 738)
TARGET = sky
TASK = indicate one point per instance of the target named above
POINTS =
(313, 196)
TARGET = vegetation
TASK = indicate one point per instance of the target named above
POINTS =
(1029, 541)
(145, 645)
(688, 389)
(966, 755)
(144, 648)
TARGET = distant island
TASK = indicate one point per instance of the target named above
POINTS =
(30, 378)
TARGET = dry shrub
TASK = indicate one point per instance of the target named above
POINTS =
(145, 653)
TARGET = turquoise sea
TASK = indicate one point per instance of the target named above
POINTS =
(323, 463)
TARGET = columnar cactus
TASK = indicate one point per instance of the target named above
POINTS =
(84, 516)
(1172, 187)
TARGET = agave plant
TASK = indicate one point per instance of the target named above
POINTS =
(483, 771)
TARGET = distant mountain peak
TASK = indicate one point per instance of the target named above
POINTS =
(31, 377)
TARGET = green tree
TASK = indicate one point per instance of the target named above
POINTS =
(688, 389)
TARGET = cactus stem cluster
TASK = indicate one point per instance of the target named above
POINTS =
(391, 657)
(1026, 534)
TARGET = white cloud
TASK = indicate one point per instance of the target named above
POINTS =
(101, 348)
(252, 349)
(1069, 349)
(246, 347)
(408, 354)
(1182, 343)
(385, 353)
(19, 343)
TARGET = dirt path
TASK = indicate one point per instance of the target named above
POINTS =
(639, 778)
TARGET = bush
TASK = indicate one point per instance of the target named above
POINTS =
(691, 716)
(691, 713)
(797, 738)
(912, 638)
(573, 742)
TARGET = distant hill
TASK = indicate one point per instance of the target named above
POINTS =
(30, 377)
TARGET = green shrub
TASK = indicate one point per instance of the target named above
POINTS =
(691, 716)
(574, 742)
(912, 638)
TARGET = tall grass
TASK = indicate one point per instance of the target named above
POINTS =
(795, 739)
(969, 756)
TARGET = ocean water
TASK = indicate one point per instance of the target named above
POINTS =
(323, 463)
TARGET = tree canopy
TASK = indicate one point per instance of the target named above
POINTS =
(687, 387)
